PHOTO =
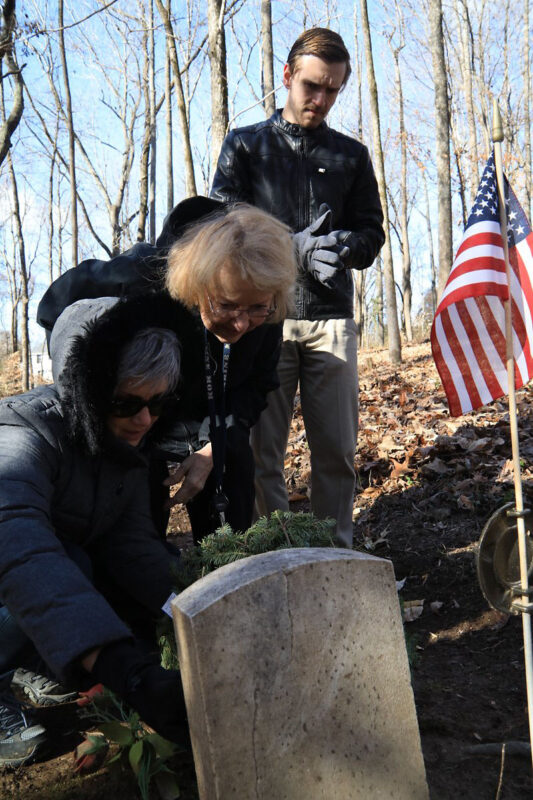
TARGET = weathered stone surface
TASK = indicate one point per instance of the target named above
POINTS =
(296, 680)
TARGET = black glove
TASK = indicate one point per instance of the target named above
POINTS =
(353, 255)
(317, 250)
(137, 678)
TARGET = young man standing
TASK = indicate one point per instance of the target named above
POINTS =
(321, 183)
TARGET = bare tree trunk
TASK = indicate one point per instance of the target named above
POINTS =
(467, 70)
(359, 305)
(153, 134)
(508, 129)
(357, 75)
(442, 125)
(458, 150)
(7, 55)
(190, 181)
(24, 282)
(395, 352)
(219, 81)
(168, 120)
(379, 314)
(14, 293)
(60, 225)
(527, 111)
(51, 217)
(267, 71)
(145, 146)
(360, 275)
(406, 253)
(430, 244)
(71, 139)
(14, 328)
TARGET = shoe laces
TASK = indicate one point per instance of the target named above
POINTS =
(40, 682)
(12, 716)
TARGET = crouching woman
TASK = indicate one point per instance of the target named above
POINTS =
(75, 522)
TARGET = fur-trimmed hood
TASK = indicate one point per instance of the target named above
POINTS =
(138, 271)
(85, 347)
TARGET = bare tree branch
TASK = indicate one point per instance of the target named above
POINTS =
(7, 54)
(72, 24)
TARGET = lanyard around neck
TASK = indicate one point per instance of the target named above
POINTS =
(217, 423)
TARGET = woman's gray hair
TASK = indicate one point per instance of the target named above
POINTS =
(152, 354)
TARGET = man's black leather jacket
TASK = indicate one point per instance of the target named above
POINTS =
(289, 171)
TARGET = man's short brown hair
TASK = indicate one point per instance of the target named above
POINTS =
(324, 44)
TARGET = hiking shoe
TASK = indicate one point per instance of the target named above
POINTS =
(20, 735)
(39, 690)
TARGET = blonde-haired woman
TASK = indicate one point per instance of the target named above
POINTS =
(230, 272)
(236, 271)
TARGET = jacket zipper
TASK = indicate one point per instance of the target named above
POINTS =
(304, 209)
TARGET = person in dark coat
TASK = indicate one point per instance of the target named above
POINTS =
(231, 269)
(75, 520)
(321, 183)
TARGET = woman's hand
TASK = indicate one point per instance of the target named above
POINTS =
(194, 472)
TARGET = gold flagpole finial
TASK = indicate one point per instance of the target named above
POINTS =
(497, 125)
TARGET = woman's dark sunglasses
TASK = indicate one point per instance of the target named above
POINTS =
(130, 406)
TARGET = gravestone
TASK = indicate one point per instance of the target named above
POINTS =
(296, 680)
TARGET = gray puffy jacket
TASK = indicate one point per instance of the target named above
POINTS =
(56, 492)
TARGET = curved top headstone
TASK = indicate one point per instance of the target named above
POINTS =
(296, 680)
(216, 584)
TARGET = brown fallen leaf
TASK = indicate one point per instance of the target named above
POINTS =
(465, 502)
(437, 466)
(386, 445)
(297, 497)
(479, 444)
(399, 468)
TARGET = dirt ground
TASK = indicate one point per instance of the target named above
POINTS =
(427, 485)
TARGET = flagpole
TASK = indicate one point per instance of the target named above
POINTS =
(497, 137)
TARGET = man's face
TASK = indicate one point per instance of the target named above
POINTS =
(313, 88)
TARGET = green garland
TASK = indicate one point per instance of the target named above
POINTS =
(282, 530)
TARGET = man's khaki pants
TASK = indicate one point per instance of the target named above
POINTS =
(322, 356)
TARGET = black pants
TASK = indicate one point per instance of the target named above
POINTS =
(238, 485)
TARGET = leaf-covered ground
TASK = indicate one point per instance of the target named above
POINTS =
(428, 483)
(427, 486)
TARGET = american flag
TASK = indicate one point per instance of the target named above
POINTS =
(468, 333)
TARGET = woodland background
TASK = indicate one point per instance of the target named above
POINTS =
(112, 112)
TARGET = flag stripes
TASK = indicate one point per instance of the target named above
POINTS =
(468, 333)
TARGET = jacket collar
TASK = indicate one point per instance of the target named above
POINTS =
(296, 130)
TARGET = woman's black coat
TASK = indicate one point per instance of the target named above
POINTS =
(66, 483)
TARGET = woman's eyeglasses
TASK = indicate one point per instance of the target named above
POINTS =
(232, 311)
(130, 406)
